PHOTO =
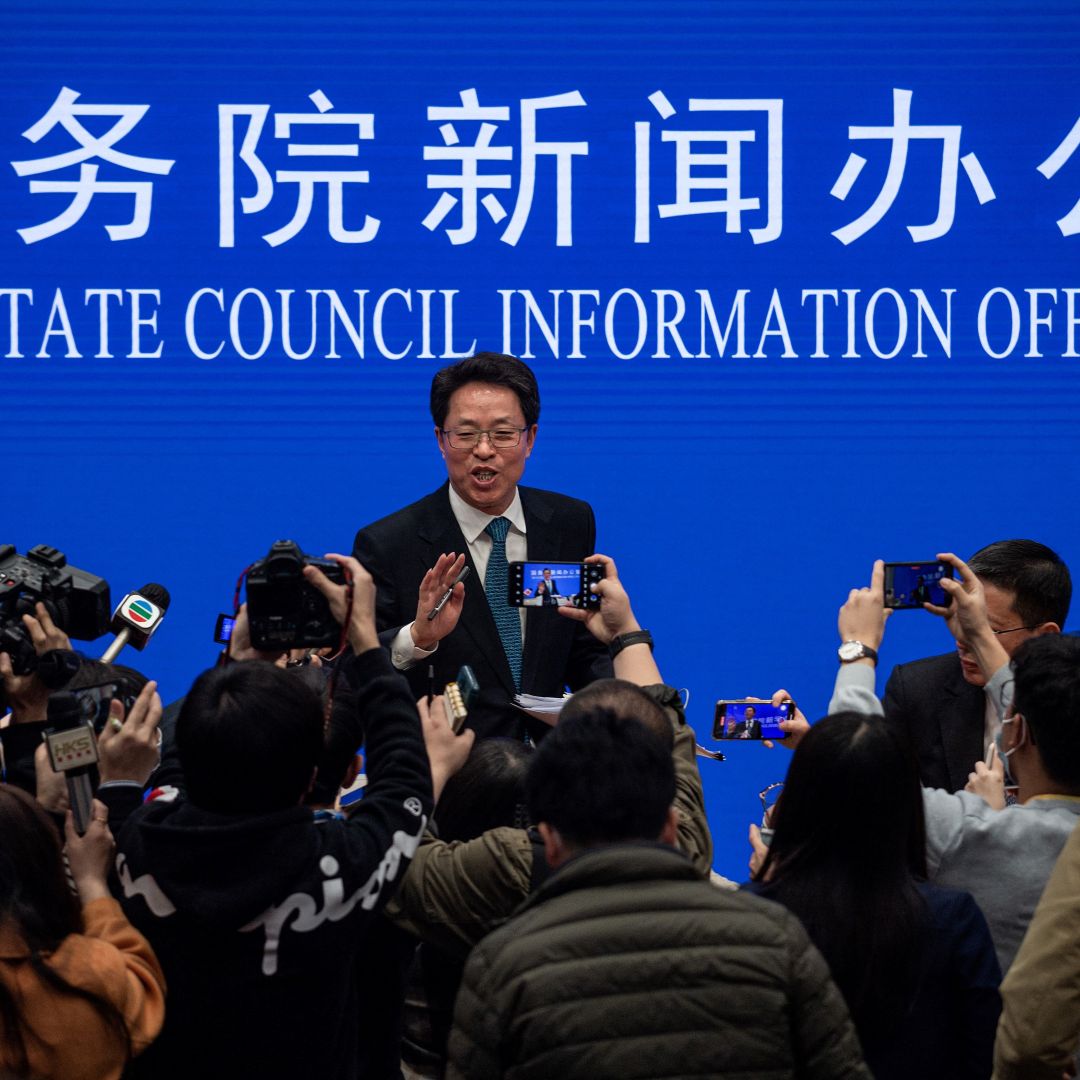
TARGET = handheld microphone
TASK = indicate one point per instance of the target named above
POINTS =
(136, 618)
(72, 749)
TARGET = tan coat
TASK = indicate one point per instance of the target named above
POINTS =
(65, 1036)
(1039, 1030)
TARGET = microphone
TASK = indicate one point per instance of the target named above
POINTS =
(72, 749)
(57, 667)
(137, 617)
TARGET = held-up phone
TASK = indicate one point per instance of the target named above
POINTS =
(744, 719)
(553, 584)
(223, 628)
(911, 584)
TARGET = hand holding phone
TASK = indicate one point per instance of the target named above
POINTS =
(967, 618)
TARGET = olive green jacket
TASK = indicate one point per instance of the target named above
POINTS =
(455, 893)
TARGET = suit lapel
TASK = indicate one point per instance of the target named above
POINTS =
(441, 532)
(962, 722)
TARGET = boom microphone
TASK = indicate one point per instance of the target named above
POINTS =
(137, 617)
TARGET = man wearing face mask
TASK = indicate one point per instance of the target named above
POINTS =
(942, 702)
(1003, 857)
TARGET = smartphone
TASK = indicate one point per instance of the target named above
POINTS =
(553, 584)
(744, 719)
(223, 628)
(908, 585)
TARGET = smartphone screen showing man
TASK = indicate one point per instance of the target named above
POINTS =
(910, 585)
(744, 719)
(553, 584)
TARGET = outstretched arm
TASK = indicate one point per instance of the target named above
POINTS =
(634, 663)
(862, 618)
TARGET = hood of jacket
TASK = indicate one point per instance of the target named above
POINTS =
(221, 869)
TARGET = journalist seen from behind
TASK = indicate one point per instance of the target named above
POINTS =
(256, 905)
(625, 962)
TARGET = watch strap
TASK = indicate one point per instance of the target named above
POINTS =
(864, 653)
(632, 637)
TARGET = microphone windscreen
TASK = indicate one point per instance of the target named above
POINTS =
(156, 594)
(57, 667)
(64, 711)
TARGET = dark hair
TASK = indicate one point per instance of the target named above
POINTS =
(488, 791)
(98, 673)
(1037, 576)
(497, 369)
(249, 737)
(341, 740)
(848, 848)
(601, 777)
(1046, 673)
(625, 699)
(36, 901)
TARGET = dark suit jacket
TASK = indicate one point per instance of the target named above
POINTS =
(401, 548)
(943, 715)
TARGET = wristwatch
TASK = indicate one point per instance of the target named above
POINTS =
(855, 650)
(631, 637)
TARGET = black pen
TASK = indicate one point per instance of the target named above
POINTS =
(446, 595)
(430, 684)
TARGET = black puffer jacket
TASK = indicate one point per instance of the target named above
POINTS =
(626, 964)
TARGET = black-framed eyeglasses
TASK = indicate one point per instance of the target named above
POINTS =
(1012, 630)
(503, 438)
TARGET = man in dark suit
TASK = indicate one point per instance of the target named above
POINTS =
(939, 700)
(750, 728)
(485, 410)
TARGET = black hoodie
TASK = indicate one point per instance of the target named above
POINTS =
(259, 920)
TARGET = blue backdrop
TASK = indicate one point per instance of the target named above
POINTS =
(798, 280)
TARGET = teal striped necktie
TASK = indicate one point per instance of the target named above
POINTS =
(507, 619)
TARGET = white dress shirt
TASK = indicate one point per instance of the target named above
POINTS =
(472, 522)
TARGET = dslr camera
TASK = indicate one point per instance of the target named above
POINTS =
(284, 610)
(77, 602)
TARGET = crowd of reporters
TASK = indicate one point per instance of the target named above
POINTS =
(495, 908)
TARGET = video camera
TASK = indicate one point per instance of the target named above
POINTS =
(77, 602)
(284, 610)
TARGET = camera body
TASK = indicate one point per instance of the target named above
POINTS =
(284, 610)
(78, 602)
